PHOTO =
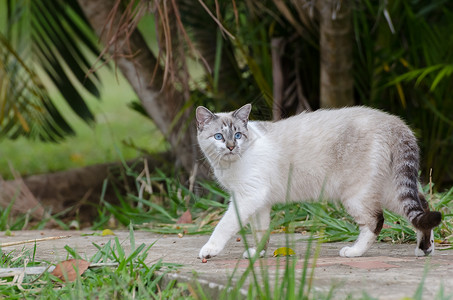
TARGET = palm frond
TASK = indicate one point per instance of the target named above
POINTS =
(59, 36)
(25, 107)
(52, 36)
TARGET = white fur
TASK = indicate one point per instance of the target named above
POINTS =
(336, 154)
(251, 252)
(363, 243)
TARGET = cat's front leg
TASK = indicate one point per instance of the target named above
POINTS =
(227, 227)
(242, 206)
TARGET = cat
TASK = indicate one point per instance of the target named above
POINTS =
(365, 158)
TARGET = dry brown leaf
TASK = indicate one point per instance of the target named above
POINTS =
(70, 269)
(186, 218)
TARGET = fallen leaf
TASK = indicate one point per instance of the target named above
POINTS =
(107, 232)
(186, 218)
(70, 269)
(284, 251)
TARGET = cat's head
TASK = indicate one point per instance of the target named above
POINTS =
(223, 136)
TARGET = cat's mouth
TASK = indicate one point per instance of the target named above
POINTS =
(230, 156)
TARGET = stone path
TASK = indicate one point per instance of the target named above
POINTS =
(386, 272)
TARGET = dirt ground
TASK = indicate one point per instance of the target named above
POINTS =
(388, 271)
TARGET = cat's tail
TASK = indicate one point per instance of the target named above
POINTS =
(405, 170)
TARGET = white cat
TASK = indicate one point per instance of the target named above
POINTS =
(365, 158)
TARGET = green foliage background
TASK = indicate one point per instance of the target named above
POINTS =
(402, 63)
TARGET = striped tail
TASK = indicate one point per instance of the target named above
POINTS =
(405, 170)
(429, 219)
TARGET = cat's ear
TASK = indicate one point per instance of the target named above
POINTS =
(243, 113)
(204, 116)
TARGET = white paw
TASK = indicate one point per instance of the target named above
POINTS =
(209, 250)
(350, 252)
(419, 252)
(251, 252)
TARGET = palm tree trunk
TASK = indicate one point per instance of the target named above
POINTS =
(162, 102)
(336, 53)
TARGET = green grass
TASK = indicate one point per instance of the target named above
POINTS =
(116, 126)
(160, 210)
(129, 278)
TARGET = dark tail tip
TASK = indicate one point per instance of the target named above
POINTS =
(428, 220)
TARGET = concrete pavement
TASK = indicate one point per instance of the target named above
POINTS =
(388, 271)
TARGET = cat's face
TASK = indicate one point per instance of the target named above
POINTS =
(223, 137)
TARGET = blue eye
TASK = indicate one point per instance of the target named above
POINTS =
(237, 135)
(218, 136)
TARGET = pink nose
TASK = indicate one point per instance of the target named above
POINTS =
(230, 148)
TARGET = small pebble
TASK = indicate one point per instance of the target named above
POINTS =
(180, 235)
(238, 239)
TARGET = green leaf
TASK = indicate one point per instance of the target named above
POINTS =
(54, 36)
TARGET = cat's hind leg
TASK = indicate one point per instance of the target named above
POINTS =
(369, 230)
(260, 224)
